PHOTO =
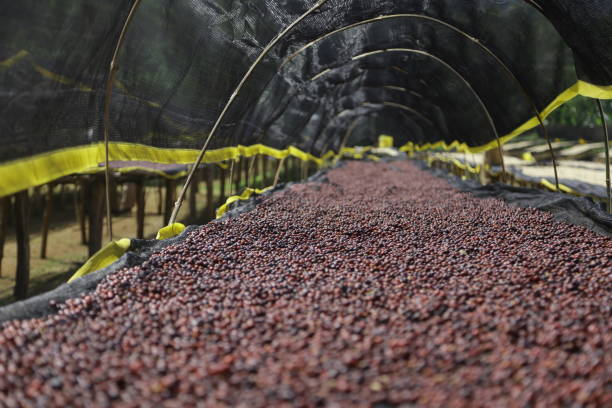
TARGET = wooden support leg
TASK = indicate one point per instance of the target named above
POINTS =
(22, 230)
(278, 171)
(169, 201)
(222, 179)
(160, 197)
(193, 196)
(238, 172)
(80, 208)
(210, 199)
(264, 171)
(46, 220)
(247, 172)
(96, 204)
(140, 208)
(5, 214)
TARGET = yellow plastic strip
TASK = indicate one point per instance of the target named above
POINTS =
(579, 88)
(594, 91)
(37, 170)
(562, 187)
(246, 194)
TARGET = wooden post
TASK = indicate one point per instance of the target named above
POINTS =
(96, 203)
(238, 172)
(193, 196)
(140, 208)
(5, 214)
(79, 206)
(264, 171)
(22, 235)
(46, 220)
(160, 197)
(247, 172)
(210, 200)
(278, 171)
(169, 201)
(222, 179)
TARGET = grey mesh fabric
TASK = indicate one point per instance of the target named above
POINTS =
(418, 74)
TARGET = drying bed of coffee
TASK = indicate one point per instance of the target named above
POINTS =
(380, 286)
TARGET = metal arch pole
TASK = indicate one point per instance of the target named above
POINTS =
(465, 81)
(245, 78)
(462, 33)
(107, 102)
(362, 116)
(607, 147)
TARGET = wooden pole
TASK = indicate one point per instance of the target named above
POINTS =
(46, 220)
(160, 197)
(238, 172)
(264, 171)
(169, 201)
(210, 199)
(96, 199)
(247, 172)
(222, 179)
(278, 171)
(22, 235)
(231, 177)
(607, 147)
(5, 213)
(233, 97)
(140, 208)
(79, 209)
(193, 196)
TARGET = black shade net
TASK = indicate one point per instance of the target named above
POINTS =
(424, 72)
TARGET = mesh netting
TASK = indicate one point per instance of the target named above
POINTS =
(335, 70)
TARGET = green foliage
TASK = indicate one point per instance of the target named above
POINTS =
(580, 111)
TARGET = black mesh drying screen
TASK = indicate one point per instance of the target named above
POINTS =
(182, 60)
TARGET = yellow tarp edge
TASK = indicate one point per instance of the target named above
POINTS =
(170, 231)
(246, 194)
(109, 254)
(112, 251)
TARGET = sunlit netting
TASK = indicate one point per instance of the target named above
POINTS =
(458, 72)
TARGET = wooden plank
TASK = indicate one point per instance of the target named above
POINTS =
(140, 208)
(95, 198)
(46, 220)
(5, 215)
(22, 235)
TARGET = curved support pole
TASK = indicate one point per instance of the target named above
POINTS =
(353, 125)
(458, 75)
(245, 78)
(456, 29)
(607, 147)
(107, 102)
